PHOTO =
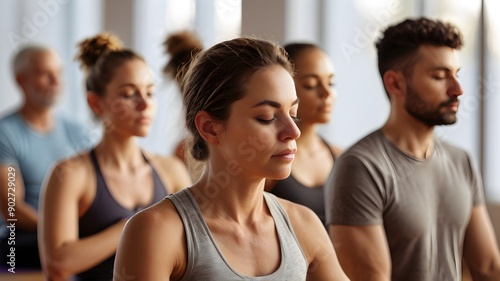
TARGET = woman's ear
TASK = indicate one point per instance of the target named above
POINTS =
(209, 129)
(94, 102)
(394, 83)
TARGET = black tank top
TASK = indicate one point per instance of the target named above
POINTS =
(104, 212)
(312, 197)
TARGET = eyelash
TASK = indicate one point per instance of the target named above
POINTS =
(267, 122)
(331, 85)
(129, 96)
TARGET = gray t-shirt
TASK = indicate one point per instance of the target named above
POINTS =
(205, 260)
(424, 205)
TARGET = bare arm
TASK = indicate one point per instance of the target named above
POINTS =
(12, 191)
(63, 254)
(363, 251)
(152, 246)
(481, 248)
(314, 241)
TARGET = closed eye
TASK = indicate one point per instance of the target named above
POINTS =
(265, 121)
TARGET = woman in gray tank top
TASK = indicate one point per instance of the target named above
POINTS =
(241, 110)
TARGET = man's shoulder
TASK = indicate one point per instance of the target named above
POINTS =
(11, 125)
(448, 146)
(367, 147)
(69, 122)
(10, 119)
(450, 149)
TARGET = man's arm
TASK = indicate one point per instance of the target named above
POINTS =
(12, 195)
(362, 251)
(480, 247)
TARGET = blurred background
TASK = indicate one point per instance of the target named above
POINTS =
(346, 29)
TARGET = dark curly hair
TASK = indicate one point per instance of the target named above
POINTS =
(398, 46)
(217, 77)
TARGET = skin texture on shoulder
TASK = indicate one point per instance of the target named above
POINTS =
(318, 249)
(173, 172)
(146, 239)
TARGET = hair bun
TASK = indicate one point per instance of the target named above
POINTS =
(181, 47)
(179, 42)
(92, 48)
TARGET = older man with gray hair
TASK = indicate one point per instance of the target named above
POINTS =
(32, 138)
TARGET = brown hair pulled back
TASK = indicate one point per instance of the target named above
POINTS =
(216, 78)
(99, 56)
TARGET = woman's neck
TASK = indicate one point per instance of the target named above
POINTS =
(227, 194)
(121, 152)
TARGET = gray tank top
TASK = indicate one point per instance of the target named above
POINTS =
(204, 258)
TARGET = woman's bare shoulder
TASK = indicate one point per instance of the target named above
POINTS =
(161, 216)
(337, 150)
(172, 171)
(75, 172)
(298, 213)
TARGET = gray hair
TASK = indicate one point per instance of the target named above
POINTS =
(23, 57)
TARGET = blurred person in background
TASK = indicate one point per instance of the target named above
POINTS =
(32, 138)
(87, 199)
(314, 83)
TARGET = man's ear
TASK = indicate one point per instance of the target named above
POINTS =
(20, 80)
(209, 128)
(94, 102)
(394, 83)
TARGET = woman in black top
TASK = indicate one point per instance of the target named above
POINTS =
(314, 159)
(88, 198)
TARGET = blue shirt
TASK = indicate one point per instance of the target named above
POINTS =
(33, 153)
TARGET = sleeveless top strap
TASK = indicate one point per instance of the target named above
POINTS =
(205, 259)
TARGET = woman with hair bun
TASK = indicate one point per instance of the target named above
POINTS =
(87, 199)
(240, 105)
(181, 47)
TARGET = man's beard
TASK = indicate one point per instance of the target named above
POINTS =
(428, 115)
(46, 100)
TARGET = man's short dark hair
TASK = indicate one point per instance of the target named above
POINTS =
(398, 46)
